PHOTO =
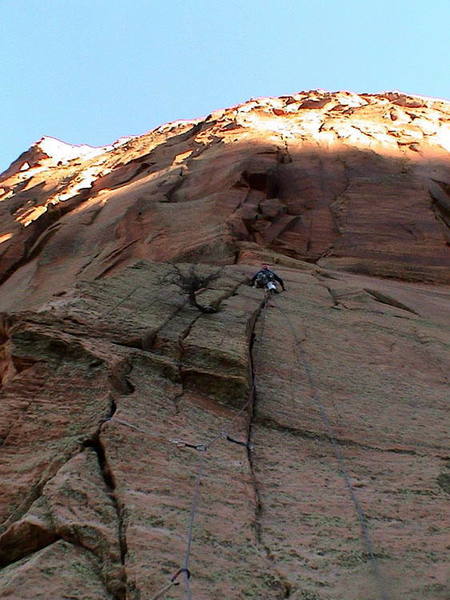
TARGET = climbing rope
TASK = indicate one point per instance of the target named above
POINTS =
(172, 582)
(108, 312)
(190, 532)
(364, 527)
(221, 435)
(203, 448)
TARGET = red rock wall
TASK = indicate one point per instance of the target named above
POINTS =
(336, 391)
(353, 182)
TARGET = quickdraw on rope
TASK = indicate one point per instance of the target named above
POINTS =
(201, 469)
(203, 448)
(173, 582)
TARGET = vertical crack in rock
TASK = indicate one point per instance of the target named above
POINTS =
(184, 334)
(286, 588)
(252, 414)
(23, 537)
(121, 384)
(147, 341)
(98, 447)
(284, 155)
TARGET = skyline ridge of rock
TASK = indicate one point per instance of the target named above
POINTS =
(384, 94)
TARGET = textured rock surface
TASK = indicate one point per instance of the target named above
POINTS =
(355, 182)
(340, 384)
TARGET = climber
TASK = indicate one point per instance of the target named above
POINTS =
(265, 278)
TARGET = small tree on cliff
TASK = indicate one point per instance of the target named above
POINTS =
(191, 282)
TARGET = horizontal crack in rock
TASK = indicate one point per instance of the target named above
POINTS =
(270, 423)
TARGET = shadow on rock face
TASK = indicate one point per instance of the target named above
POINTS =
(349, 203)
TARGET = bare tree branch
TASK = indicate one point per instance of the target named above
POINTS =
(191, 283)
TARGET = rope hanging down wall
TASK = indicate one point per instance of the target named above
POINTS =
(203, 448)
(314, 394)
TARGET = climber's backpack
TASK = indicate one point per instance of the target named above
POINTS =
(263, 278)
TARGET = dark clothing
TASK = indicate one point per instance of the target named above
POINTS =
(264, 276)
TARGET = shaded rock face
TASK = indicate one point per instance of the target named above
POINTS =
(359, 183)
(324, 410)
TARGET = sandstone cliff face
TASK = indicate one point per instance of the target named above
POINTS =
(352, 182)
(336, 391)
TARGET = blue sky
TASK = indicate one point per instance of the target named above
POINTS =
(91, 71)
